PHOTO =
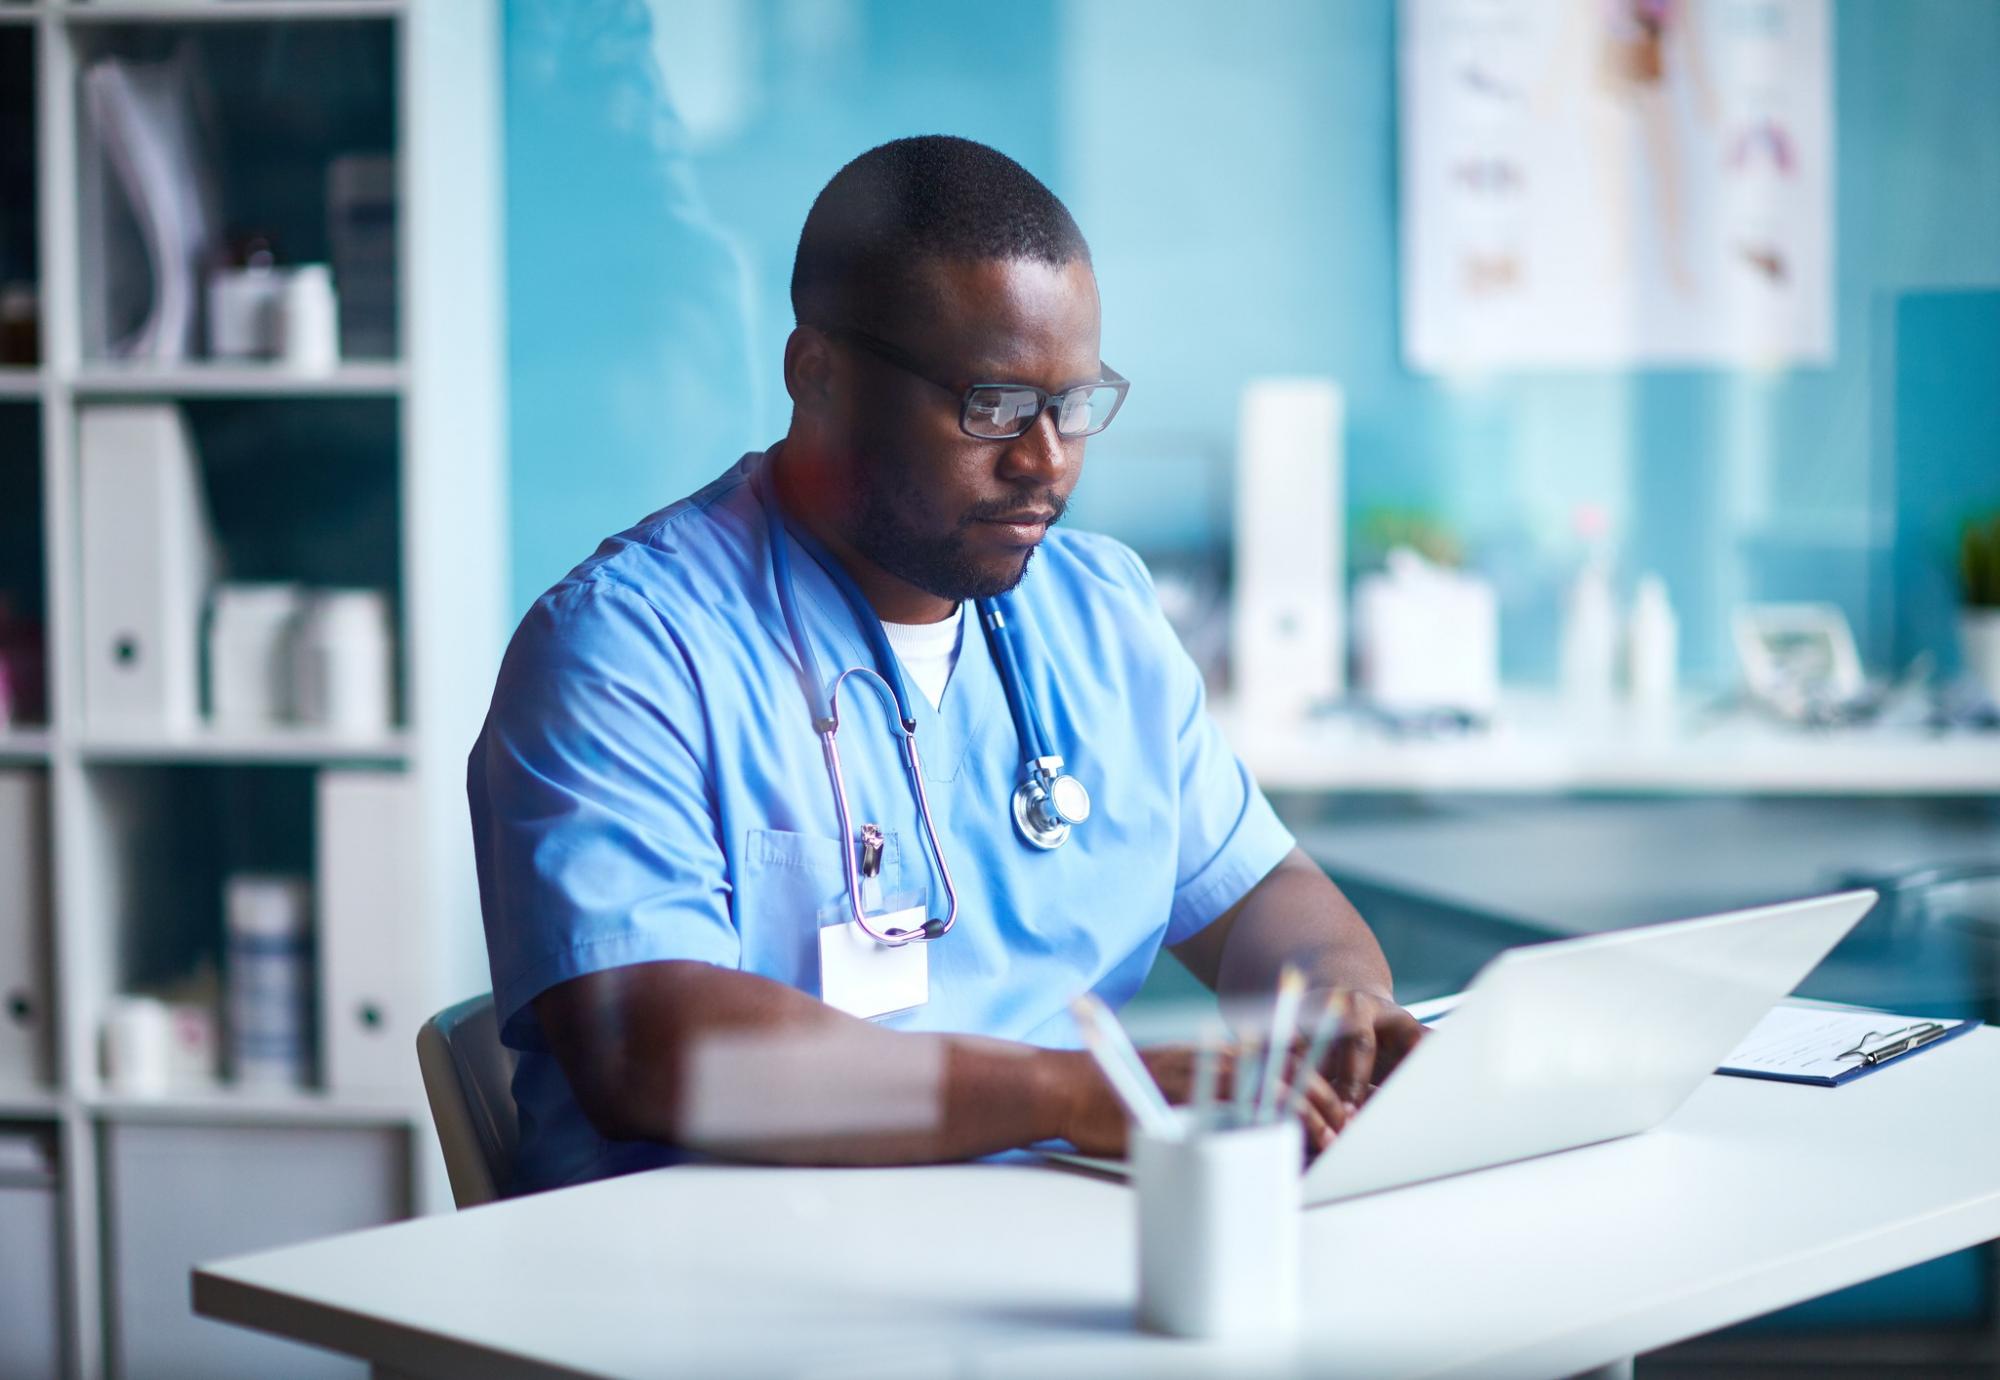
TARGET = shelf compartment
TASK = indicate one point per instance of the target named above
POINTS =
(166, 838)
(24, 655)
(305, 492)
(20, 257)
(163, 842)
(284, 136)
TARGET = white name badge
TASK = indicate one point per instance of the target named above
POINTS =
(866, 978)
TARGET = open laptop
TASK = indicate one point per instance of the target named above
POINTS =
(1577, 1041)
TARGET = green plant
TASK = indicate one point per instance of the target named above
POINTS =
(1979, 561)
(1382, 528)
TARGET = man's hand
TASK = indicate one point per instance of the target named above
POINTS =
(1098, 1122)
(1374, 1036)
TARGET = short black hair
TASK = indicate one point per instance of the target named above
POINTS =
(933, 196)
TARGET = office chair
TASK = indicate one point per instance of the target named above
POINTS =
(468, 1077)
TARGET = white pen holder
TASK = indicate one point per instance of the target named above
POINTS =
(1219, 1228)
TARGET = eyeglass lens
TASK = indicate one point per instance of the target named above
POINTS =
(1002, 413)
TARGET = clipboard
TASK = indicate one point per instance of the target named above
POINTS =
(1795, 1044)
(1776, 1049)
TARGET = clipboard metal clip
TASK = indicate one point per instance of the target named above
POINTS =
(1893, 1043)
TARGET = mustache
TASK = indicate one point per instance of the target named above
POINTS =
(1048, 501)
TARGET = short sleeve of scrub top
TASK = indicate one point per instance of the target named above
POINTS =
(605, 853)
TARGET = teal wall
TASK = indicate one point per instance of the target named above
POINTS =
(1236, 178)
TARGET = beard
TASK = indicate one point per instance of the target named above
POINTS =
(896, 527)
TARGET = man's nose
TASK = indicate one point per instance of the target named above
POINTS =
(1039, 455)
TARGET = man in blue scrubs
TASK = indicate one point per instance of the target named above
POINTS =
(658, 845)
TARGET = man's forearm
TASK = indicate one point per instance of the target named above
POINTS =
(1297, 915)
(732, 1064)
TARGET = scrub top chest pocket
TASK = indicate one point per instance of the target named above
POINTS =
(792, 885)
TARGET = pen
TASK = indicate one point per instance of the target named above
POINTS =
(1323, 1031)
(1243, 1088)
(1207, 1076)
(1112, 1048)
(1902, 1046)
(1284, 1021)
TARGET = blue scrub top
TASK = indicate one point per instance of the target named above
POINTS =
(648, 786)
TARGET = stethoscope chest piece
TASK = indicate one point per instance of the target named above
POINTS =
(1049, 804)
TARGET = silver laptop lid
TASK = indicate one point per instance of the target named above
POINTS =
(1580, 1040)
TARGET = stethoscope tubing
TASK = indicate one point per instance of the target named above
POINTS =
(1000, 637)
(827, 723)
(831, 751)
(1041, 778)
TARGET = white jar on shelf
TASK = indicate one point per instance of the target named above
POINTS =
(250, 661)
(241, 306)
(269, 979)
(344, 662)
(137, 1047)
(306, 320)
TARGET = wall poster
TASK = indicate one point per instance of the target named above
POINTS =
(1605, 183)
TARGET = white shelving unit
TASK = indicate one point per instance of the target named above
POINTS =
(128, 1179)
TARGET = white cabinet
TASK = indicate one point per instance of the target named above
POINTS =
(178, 1195)
(25, 1002)
(361, 132)
(31, 1340)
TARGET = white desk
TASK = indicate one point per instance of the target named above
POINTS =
(1752, 1197)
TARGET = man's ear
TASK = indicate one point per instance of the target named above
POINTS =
(808, 369)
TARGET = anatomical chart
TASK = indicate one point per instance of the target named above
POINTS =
(1604, 183)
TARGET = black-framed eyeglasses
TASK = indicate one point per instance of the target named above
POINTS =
(1003, 411)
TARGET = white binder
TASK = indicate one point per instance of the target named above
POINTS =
(148, 560)
(26, 996)
(366, 902)
(1287, 651)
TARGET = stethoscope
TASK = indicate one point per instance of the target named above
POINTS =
(1048, 803)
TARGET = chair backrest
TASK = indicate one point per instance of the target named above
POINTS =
(469, 1076)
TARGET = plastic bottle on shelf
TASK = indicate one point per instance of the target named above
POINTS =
(269, 979)
(1589, 653)
(1652, 652)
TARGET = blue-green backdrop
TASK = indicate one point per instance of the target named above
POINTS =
(1235, 170)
